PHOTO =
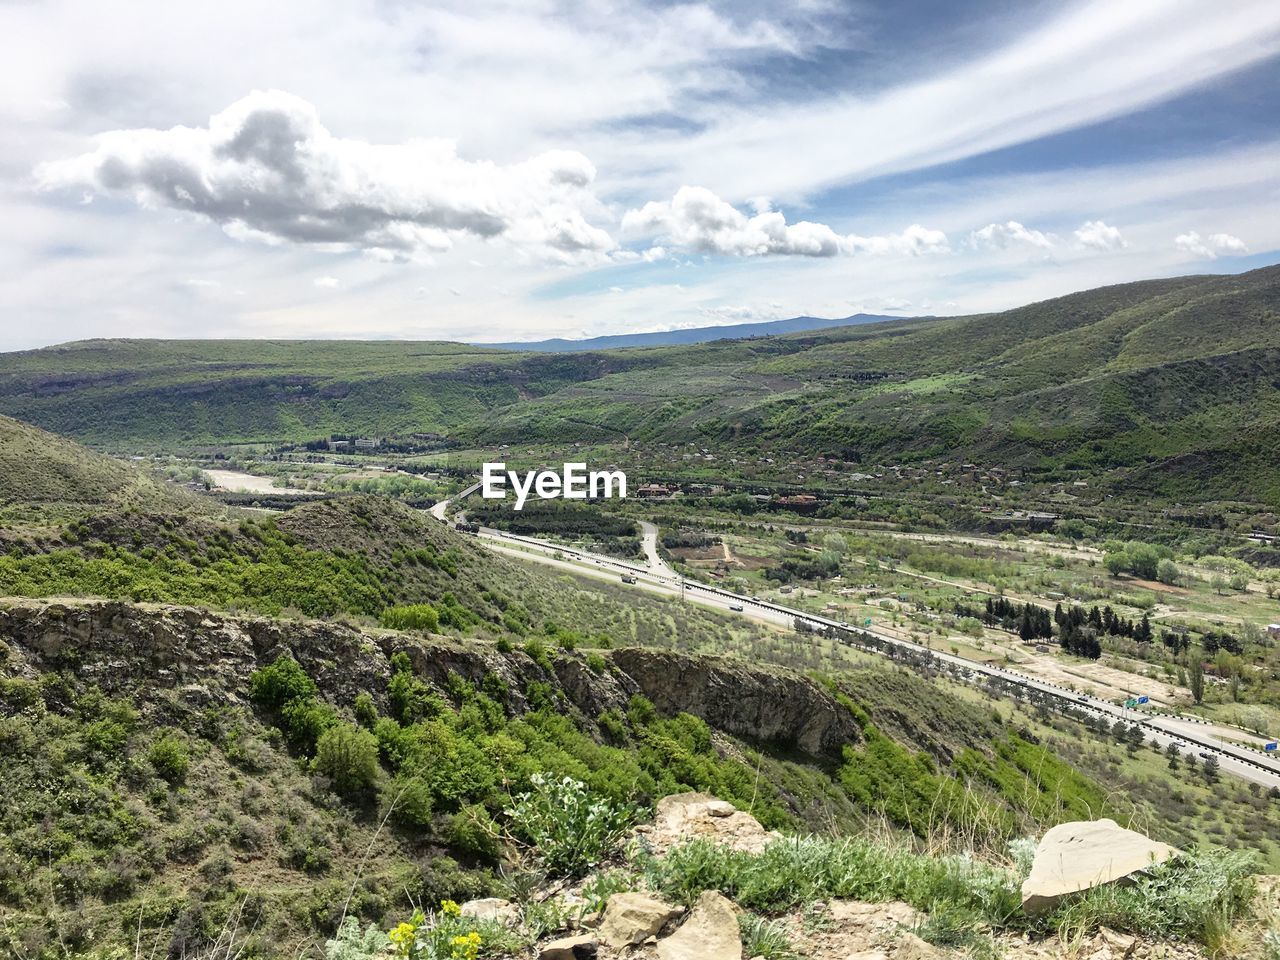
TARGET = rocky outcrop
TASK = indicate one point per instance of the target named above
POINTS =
(1077, 856)
(682, 817)
(181, 659)
(740, 700)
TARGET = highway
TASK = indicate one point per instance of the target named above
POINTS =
(656, 576)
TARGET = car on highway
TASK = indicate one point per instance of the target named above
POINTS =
(627, 578)
(737, 607)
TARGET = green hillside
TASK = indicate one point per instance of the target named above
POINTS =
(1150, 381)
(41, 469)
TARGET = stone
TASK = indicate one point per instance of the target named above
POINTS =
(1120, 944)
(710, 932)
(570, 948)
(491, 908)
(687, 816)
(1084, 854)
(877, 916)
(631, 918)
(911, 947)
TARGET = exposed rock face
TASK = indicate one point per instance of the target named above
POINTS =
(710, 933)
(632, 918)
(1084, 854)
(682, 817)
(180, 659)
(739, 700)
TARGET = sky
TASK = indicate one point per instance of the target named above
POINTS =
(498, 171)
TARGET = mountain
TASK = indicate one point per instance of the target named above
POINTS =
(1169, 387)
(663, 338)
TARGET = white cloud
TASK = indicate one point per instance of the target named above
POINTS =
(697, 220)
(1099, 235)
(265, 168)
(1010, 234)
(327, 283)
(1208, 248)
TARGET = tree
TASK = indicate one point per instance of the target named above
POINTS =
(348, 756)
(1167, 572)
(1211, 769)
(1171, 751)
(1195, 680)
(1218, 582)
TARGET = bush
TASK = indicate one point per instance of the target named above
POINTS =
(280, 683)
(568, 830)
(168, 754)
(472, 831)
(348, 756)
(417, 616)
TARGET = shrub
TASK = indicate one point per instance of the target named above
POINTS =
(353, 943)
(365, 711)
(417, 616)
(168, 754)
(280, 683)
(568, 830)
(471, 830)
(765, 938)
(348, 756)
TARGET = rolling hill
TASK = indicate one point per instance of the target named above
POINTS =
(666, 338)
(1172, 385)
(40, 468)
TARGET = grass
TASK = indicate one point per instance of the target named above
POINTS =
(1199, 897)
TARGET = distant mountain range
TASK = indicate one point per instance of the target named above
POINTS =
(666, 338)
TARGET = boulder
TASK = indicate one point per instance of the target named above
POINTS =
(1081, 855)
(491, 908)
(631, 918)
(710, 933)
(570, 948)
(682, 817)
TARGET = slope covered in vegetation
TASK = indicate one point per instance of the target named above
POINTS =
(1159, 377)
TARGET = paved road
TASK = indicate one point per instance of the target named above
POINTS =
(1189, 740)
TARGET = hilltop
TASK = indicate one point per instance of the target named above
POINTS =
(1162, 384)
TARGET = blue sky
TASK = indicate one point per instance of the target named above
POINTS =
(501, 171)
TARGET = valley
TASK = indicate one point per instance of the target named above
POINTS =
(276, 627)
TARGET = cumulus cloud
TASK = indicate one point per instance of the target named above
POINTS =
(1099, 235)
(1002, 236)
(327, 283)
(266, 169)
(696, 219)
(1208, 248)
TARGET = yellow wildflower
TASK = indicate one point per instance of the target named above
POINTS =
(466, 947)
(450, 909)
(403, 938)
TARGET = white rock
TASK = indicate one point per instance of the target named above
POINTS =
(631, 918)
(1082, 855)
(710, 933)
